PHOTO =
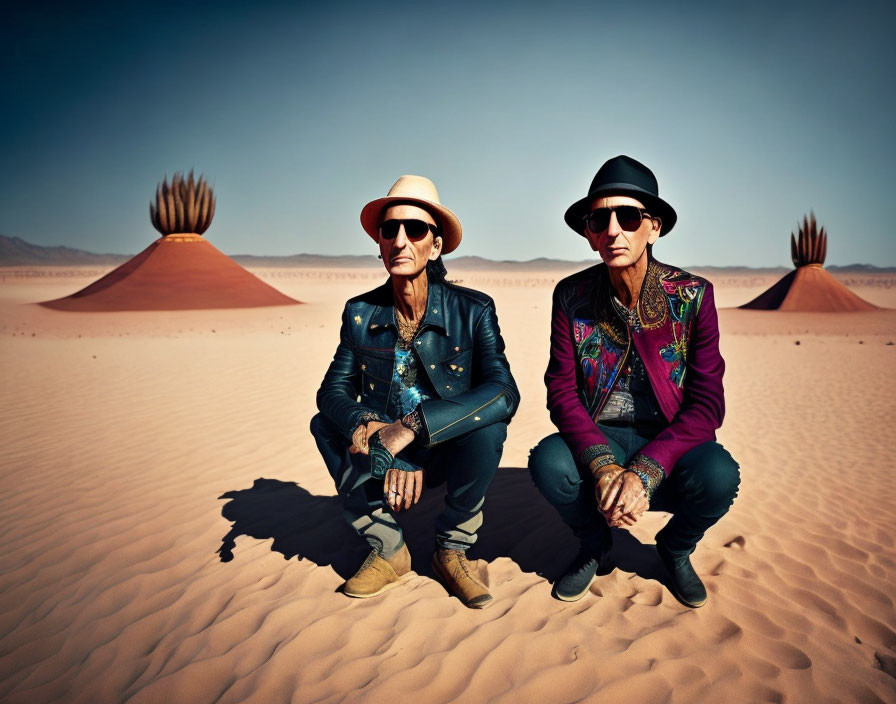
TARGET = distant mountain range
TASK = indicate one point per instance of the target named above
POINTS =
(15, 251)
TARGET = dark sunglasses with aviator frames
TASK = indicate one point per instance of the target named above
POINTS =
(629, 218)
(414, 229)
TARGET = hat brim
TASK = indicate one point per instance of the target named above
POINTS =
(654, 204)
(449, 226)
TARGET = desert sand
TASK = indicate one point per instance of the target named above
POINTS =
(170, 533)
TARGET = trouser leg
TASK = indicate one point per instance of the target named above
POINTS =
(468, 464)
(570, 490)
(362, 501)
(699, 492)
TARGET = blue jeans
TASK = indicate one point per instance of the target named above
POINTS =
(467, 464)
(698, 492)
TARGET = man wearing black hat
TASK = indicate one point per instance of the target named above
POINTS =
(634, 387)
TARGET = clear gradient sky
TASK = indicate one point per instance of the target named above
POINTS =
(749, 113)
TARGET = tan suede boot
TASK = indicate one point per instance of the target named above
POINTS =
(378, 574)
(453, 570)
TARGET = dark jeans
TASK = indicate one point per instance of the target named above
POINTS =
(466, 464)
(698, 492)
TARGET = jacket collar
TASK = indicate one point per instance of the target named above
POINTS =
(652, 305)
(383, 316)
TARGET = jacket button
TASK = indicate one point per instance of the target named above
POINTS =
(460, 369)
(418, 342)
(371, 387)
(457, 349)
(363, 367)
(447, 386)
(476, 418)
(435, 310)
(432, 366)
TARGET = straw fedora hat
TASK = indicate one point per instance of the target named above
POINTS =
(420, 191)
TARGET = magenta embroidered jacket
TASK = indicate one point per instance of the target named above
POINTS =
(677, 337)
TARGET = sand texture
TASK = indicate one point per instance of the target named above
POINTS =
(170, 533)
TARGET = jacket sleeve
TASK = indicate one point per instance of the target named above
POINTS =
(585, 440)
(703, 403)
(492, 397)
(337, 397)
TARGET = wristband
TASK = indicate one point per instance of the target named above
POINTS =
(381, 460)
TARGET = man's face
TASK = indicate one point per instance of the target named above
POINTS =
(404, 255)
(621, 248)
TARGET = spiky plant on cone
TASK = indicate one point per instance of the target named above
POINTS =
(812, 246)
(181, 270)
(810, 287)
(184, 207)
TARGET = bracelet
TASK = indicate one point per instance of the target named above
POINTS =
(649, 471)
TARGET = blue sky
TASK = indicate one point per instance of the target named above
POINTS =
(750, 114)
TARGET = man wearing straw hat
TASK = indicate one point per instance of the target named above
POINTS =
(418, 392)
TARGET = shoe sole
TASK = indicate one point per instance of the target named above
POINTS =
(390, 585)
(574, 597)
(678, 597)
(443, 579)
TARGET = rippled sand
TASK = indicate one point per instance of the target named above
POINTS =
(169, 532)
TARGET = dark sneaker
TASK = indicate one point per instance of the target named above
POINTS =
(573, 585)
(684, 584)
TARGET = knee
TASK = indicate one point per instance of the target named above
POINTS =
(554, 470)
(718, 476)
(317, 423)
(322, 428)
(489, 438)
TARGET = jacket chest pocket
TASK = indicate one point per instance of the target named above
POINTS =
(376, 374)
(453, 374)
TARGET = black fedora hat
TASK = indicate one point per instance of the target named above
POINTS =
(623, 176)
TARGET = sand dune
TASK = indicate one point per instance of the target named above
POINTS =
(170, 533)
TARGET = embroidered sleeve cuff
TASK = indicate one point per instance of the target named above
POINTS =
(648, 470)
(414, 421)
(368, 416)
(597, 456)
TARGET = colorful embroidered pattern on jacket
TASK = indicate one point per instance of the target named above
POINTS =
(683, 294)
(668, 305)
(598, 351)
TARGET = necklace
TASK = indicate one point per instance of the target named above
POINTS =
(406, 328)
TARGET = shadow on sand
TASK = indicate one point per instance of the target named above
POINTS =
(519, 524)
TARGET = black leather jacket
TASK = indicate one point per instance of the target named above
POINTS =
(458, 344)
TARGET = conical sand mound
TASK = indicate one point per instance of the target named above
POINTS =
(809, 289)
(176, 272)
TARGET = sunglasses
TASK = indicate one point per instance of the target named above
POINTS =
(629, 218)
(414, 229)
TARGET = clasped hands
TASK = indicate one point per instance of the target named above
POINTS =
(620, 495)
(401, 489)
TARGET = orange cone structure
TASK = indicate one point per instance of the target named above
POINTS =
(809, 288)
(177, 272)
(181, 270)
